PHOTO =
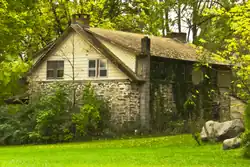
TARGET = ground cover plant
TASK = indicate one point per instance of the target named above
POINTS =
(177, 151)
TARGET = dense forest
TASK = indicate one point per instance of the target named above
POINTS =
(219, 26)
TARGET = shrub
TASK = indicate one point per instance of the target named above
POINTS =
(246, 141)
(12, 129)
(93, 116)
(246, 138)
(53, 116)
(53, 112)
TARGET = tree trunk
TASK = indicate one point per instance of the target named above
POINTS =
(57, 19)
(179, 17)
(194, 20)
(163, 29)
(167, 20)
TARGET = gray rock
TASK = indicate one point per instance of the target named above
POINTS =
(232, 143)
(208, 131)
(221, 131)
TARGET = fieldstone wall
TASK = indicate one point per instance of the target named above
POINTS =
(163, 97)
(237, 108)
(163, 107)
(225, 103)
(123, 99)
(167, 116)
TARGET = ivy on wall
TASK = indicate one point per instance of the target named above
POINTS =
(174, 77)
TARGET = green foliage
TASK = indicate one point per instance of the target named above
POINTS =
(191, 101)
(247, 117)
(51, 117)
(93, 115)
(94, 111)
(246, 136)
(246, 139)
(11, 71)
(53, 114)
(189, 105)
(231, 33)
(12, 129)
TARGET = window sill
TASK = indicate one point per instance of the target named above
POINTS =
(55, 78)
(98, 77)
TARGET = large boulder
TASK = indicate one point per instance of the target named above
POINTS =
(232, 143)
(221, 131)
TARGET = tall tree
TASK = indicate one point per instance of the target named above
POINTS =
(232, 26)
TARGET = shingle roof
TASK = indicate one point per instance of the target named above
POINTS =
(160, 46)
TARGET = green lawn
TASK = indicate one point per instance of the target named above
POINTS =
(161, 151)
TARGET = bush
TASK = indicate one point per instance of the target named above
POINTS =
(246, 138)
(53, 110)
(93, 117)
(12, 129)
(53, 116)
(246, 141)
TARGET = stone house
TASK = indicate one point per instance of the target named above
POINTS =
(146, 79)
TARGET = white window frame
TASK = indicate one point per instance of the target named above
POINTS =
(102, 68)
(97, 68)
(92, 68)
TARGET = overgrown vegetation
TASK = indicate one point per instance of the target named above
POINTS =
(50, 117)
(174, 77)
(246, 137)
(229, 40)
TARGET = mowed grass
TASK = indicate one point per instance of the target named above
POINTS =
(172, 151)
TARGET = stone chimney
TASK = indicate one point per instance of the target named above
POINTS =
(143, 62)
(81, 19)
(145, 46)
(178, 36)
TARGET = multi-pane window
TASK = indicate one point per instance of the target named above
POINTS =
(97, 68)
(55, 69)
(92, 68)
(102, 68)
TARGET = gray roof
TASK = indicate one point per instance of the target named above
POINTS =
(160, 46)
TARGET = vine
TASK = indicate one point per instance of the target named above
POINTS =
(175, 75)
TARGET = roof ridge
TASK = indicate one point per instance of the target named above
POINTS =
(142, 34)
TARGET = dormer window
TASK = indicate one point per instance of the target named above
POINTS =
(97, 68)
(55, 69)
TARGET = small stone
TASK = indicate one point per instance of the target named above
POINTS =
(232, 143)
